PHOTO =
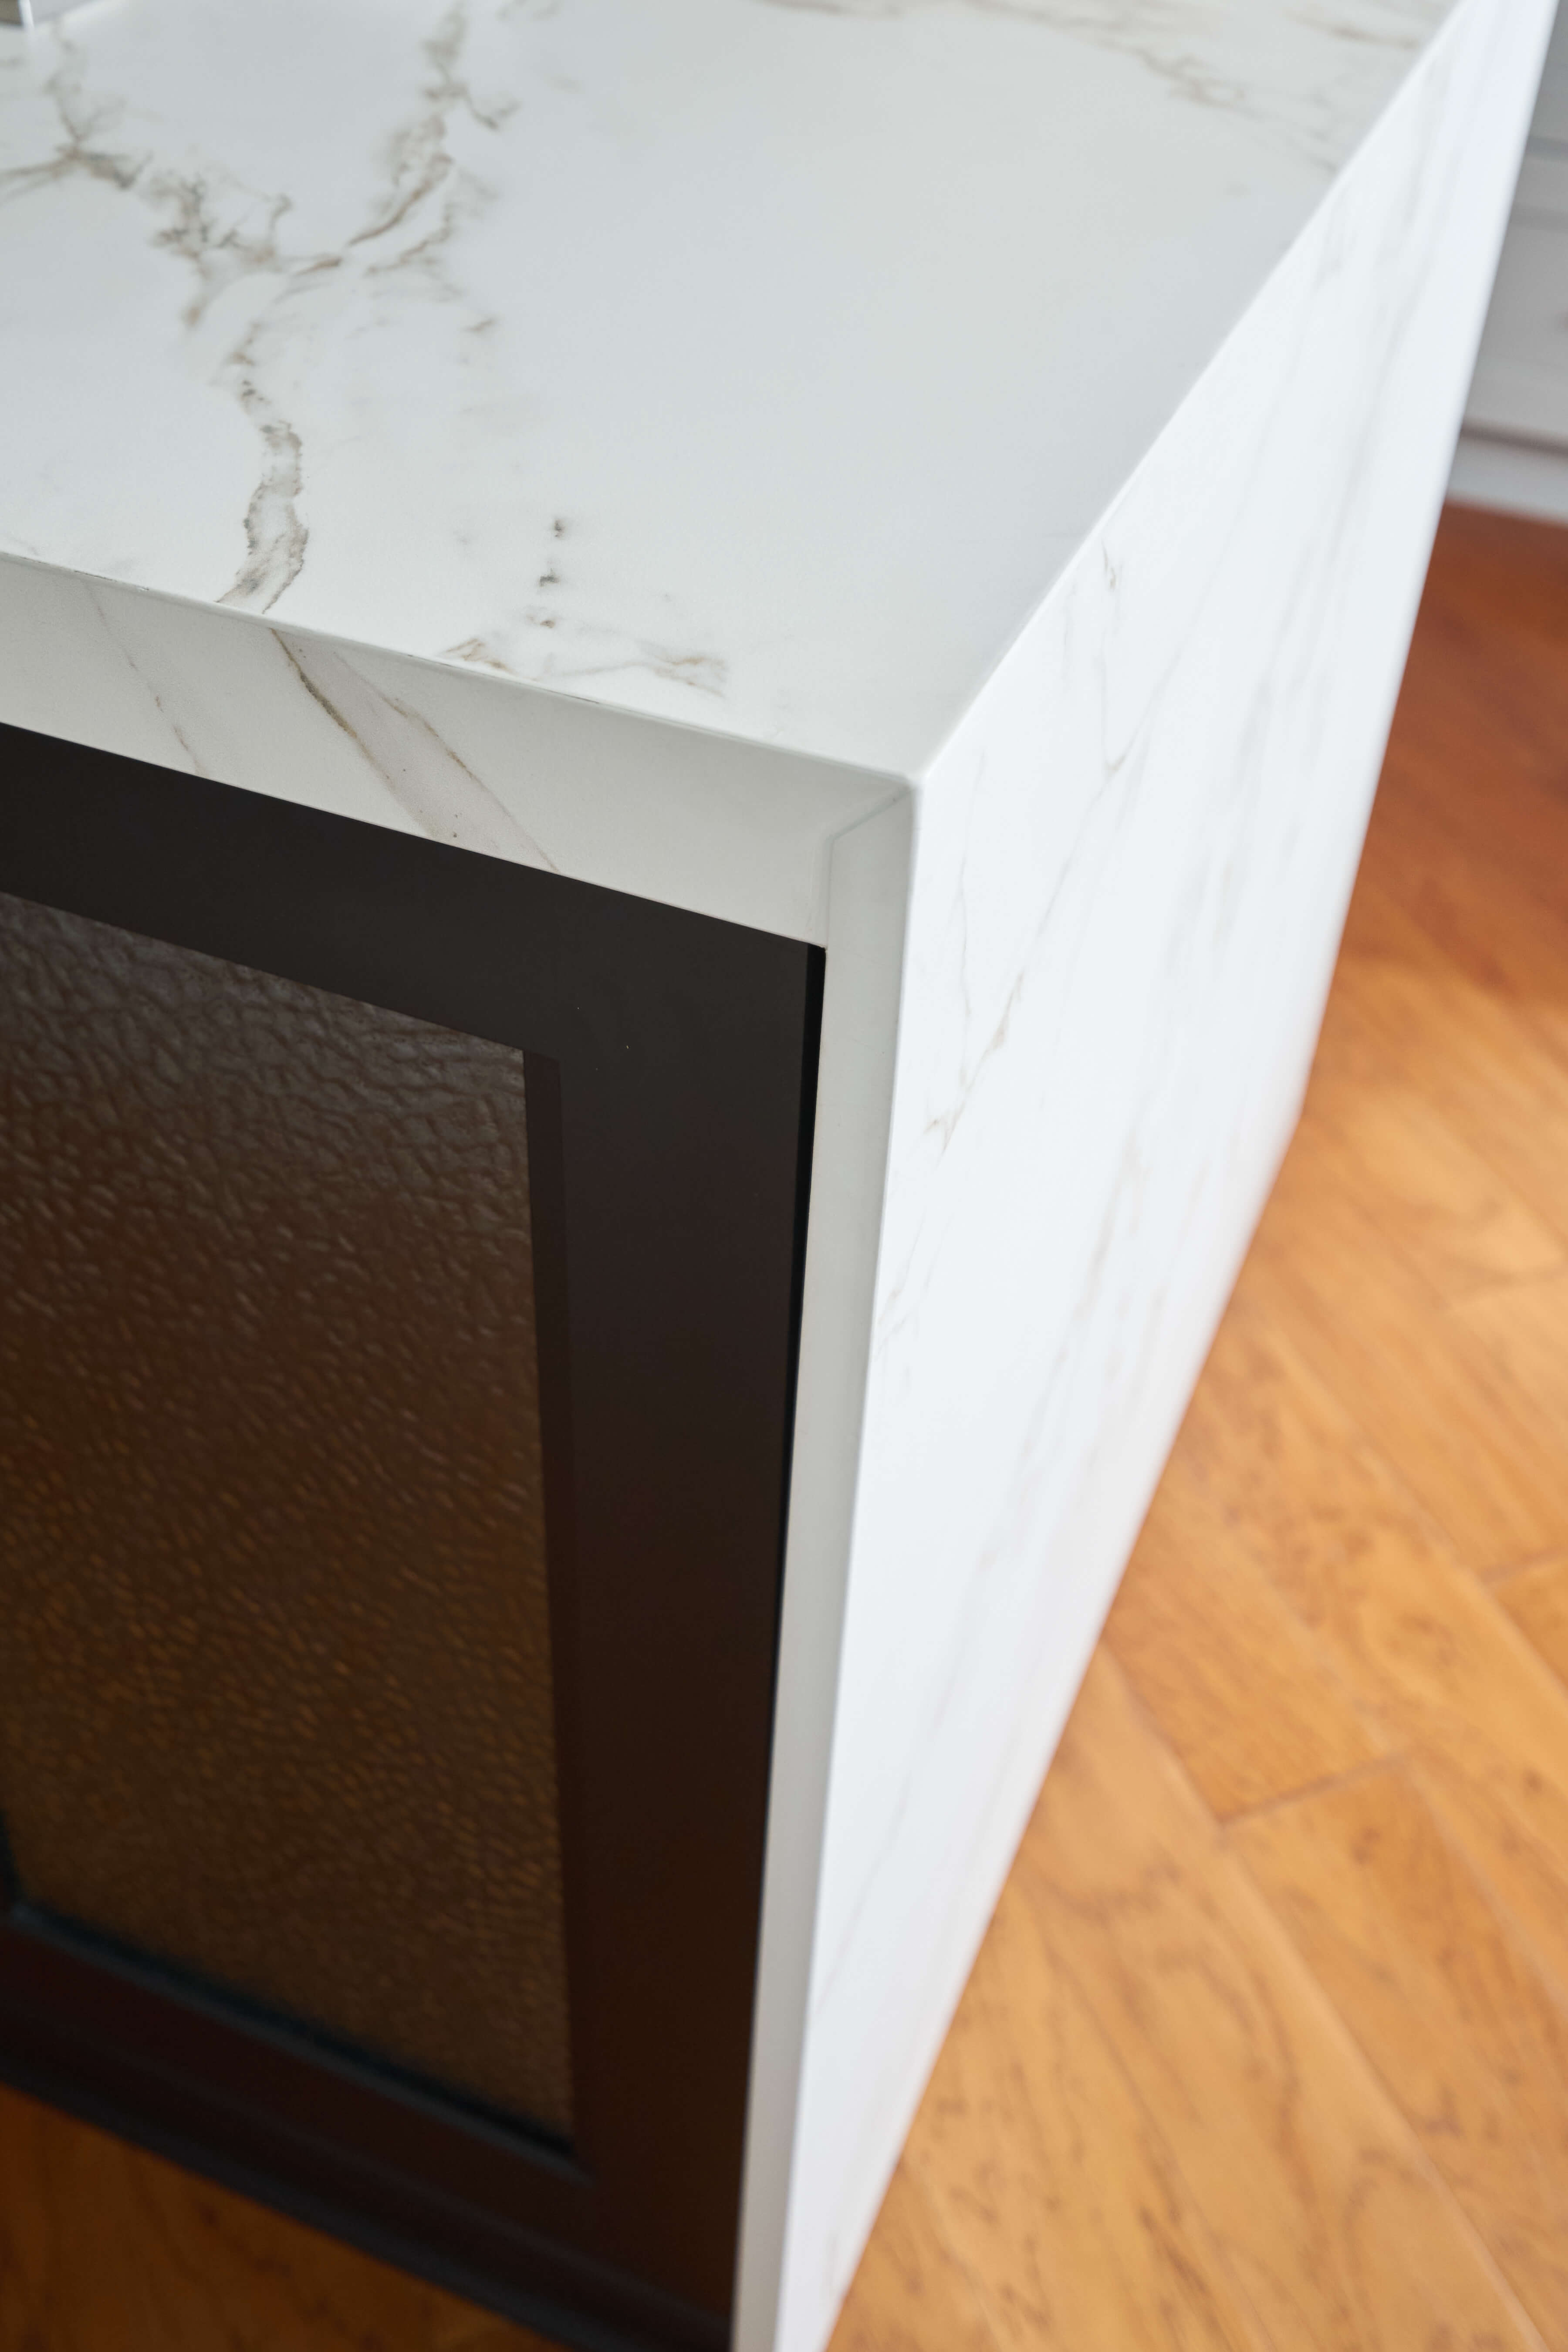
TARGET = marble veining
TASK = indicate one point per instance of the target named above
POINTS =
(740, 831)
(443, 796)
(754, 363)
(943, 478)
(1131, 863)
(1228, 58)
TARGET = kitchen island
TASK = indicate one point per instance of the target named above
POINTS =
(832, 578)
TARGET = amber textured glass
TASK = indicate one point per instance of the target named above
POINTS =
(275, 1666)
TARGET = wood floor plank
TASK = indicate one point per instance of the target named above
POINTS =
(1485, 701)
(1434, 1202)
(1489, 826)
(1472, 1441)
(1490, 919)
(1329, 2213)
(1049, 2180)
(1490, 840)
(104, 2248)
(1243, 1692)
(1522, 1330)
(1404, 1013)
(1271, 1463)
(1458, 2020)
(1377, 926)
(911, 2293)
(1536, 1598)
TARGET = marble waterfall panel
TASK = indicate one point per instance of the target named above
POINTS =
(653, 807)
(1132, 862)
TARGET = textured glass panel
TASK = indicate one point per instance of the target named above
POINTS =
(275, 1674)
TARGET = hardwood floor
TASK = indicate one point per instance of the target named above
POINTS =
(1266, 2047)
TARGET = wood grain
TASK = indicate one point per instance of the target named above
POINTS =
(1519, 1330)
(104, 2248)
(1047, 2176)
(1271, 1463)
(1242, 1690)
(1536, 1598)
(1436, 1203)
(1464, 2028)
(1331, 2220)
(1507, 937)
(1467, 1436)
(1401, 1015)
(912, 2291)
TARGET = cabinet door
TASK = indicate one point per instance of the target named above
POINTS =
(399, 1278)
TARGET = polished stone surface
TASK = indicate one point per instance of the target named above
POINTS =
(755, 364)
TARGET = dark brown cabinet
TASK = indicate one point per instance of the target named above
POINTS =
(399, 1280)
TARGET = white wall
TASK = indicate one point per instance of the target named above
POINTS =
(1520, 388)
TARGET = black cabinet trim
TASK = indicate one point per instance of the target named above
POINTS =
(670, 1083)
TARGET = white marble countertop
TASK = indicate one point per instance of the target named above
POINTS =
(752, 364)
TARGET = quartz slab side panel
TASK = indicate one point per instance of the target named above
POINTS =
(663, 810)
(1132, 863)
